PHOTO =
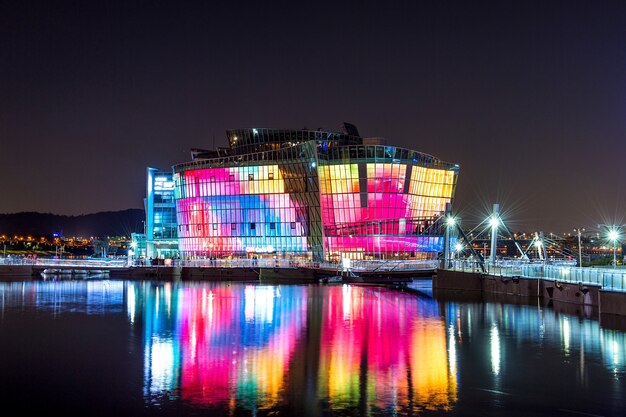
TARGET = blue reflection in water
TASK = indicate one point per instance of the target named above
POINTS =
(241, 349)
(90, 297)
(540, 361)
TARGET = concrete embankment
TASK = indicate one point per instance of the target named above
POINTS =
(16, 270)
(228, 273)
(187, 273)
(268, 275)
(607, 302)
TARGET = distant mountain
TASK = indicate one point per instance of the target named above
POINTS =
(106, 223)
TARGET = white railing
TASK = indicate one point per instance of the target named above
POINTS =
(356, 266)
(232, 263)
(395, 265)
(76, 263)
(608, 278)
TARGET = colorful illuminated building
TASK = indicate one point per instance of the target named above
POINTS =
(160, 238)
(311, 195)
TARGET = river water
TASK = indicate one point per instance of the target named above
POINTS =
(113, 347)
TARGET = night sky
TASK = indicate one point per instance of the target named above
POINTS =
(529, 98)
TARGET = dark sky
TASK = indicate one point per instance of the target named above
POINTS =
(528, 97)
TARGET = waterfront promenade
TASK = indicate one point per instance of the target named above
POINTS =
(227, 269)
(604, 288)
(613, 279)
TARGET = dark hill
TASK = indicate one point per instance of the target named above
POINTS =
(106, 223)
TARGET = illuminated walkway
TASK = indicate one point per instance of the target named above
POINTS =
(610, 279)
(389, 266)
(67, 263)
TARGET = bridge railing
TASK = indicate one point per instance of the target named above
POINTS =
(393, 265)
(104, 263)
(356, 266)
(237, 263)
(609, 279)
(15, 261)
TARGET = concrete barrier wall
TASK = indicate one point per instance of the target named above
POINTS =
(612, 303)
(524, 287)
(219, 274)
(606, 302)
(457, 280)
(16, 270)
(572, 293)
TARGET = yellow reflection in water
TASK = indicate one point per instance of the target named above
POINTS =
(379, 346)
(433, 384)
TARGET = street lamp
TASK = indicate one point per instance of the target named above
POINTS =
(613, 234)
(450, 221)
(494, 222)
(458, 247)
(614, 237)
(580, 253)
(448, 254)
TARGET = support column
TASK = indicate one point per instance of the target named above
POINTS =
(448, 222)
(495, 222)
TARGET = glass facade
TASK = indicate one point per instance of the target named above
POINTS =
(250, 206)
(378, 208)
(311, 195)
(161, 239)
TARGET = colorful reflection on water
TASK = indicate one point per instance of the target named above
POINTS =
(234, 346)
(238, 349)
(385, 349)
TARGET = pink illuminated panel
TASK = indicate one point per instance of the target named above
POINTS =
(238, 210)
(387, 216)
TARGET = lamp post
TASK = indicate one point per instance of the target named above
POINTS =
(458, 249)
(614, 236)
(494, 222)
(448, 253)
(580, 253)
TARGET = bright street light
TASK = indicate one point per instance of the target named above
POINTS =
(494, 222)
(613, 235)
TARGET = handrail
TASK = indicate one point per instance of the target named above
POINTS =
(609, 279)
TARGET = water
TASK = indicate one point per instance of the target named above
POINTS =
(153, 348)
